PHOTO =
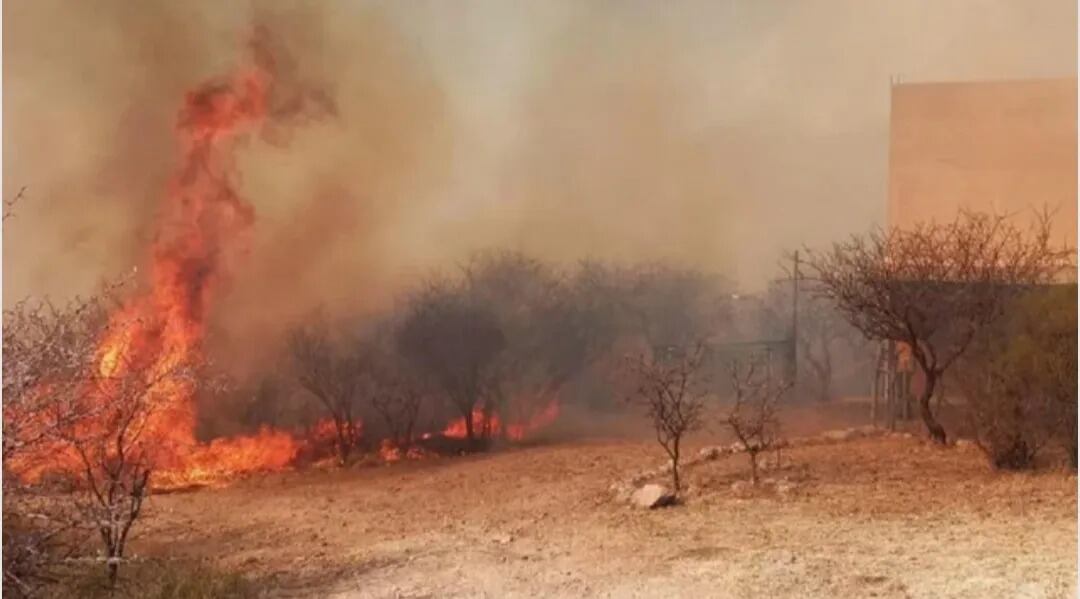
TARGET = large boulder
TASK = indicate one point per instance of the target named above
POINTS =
(652, 496)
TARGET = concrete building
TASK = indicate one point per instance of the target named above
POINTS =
(996, 146)
(1004, 146)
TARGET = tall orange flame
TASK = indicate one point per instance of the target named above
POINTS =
(205, 226)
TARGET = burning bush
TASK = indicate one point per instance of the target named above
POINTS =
(454, 342)
(104, 392)
(395, 391)
(48, 353)
(335, 374)
(122, 443)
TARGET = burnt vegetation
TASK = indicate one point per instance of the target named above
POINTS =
(494, 342)
(331, 371)
(116, 451)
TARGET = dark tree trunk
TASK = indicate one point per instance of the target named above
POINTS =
(823, 368)
(469, 424)
(343, 451)
(936, 431)
(343, 441)
(824, 385)
(675, 466)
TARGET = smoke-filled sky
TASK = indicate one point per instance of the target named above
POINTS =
(715, 133)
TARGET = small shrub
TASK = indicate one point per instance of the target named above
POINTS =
(158, 579)
(671, 390)
(1020, 380)
(753, 417)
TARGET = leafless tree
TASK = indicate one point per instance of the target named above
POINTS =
(48, 353)
(454, 342)
(9, 204)
(39, 533)
(128, 403)
(816, 339)
(935, 286)
(553, 328)
(399, 405)
(670, 387)
(520, 292)
(334, 374)
(824, 337)
(396, 394)
(670, 306)
(753, 416)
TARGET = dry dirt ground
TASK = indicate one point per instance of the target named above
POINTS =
(875, 517)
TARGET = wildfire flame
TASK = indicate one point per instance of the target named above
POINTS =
(204, 224)
(204, 229)
(494, 425)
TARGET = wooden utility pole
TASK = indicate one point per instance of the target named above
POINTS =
(795, 320)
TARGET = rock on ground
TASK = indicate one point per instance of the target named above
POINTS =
(652, 496)
(712, 453)
(965, 444)
(846, 434)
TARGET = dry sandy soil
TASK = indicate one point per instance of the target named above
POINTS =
(875, 517)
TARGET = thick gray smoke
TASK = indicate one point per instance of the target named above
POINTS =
(710, 133)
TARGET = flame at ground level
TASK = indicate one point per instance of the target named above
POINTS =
(229, 457)
(267, 450)
(493, 425)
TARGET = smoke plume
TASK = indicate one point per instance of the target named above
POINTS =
(714, 134)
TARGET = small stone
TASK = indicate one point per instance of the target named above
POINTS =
(965, 444)
(870, 430)
(712, 453)
(785, 487)
(740, 486)
(838, 435)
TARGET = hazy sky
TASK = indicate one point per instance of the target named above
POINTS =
(717, 133)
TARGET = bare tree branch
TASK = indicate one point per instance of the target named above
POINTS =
(934, 286)
(672, 392)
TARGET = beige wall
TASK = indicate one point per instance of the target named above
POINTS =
(1007, 146)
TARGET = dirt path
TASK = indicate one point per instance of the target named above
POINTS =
(877, 517)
